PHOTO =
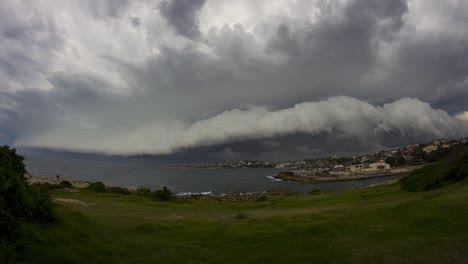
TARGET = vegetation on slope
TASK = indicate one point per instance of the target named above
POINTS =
(19, 204)
(375, 225)
(452, 168)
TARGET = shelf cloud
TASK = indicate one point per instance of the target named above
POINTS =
(340, 117)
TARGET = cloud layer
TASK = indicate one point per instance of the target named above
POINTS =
(341, 117)
(156, 77)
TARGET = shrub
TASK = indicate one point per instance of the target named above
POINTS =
(119, 190)
(314, 191)
(52, 186)
(46, 185)
(96, 187)
(16, 197)
(454, 168)
(19, 203)
(143, 192)
(262, 198)
(163, 195)
(65, 184)
(41, 205)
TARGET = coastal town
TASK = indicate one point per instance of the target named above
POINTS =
(400, 160)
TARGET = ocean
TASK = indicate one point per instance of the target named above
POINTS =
(135, 173)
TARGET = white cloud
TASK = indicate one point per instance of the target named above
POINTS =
(463, 116)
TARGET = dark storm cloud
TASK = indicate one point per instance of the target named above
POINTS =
(183, 16)
(452, 96)
(254, 81)
(430, 66)
(322, 60)
(348, 38)
(27, 47)
(334, 54)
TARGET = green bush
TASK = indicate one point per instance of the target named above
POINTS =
(19, 203)
(163, 195)
(314, 191)
(262, 198)
(454, 168)
(119, 190)
(96, 187)
(51, 186)
(143, 192)
(41, 205)
(65, 184)
(45, 185)
(16, 197)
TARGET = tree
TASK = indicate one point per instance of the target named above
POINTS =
(396, 160)
(97, 187)
(163, 195)
(18, 202)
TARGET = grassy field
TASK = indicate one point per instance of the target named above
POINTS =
(375, 225)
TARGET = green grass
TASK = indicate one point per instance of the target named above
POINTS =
(444, 172)
(376, 225)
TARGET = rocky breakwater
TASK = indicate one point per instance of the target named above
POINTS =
(239, 196)
(312, 176)
(296, 176)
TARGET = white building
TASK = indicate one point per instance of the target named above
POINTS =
(338, 167)
(430, 148)
(381, 165)
(357, 167)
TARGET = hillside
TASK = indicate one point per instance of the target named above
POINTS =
(376, 225)
(452, 167)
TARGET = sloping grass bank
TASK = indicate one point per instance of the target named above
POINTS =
(377, 225)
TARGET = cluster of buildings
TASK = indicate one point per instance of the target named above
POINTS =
(235, 164)
(382, 160)
(442, 144)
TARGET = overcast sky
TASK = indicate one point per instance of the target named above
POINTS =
(232, 79)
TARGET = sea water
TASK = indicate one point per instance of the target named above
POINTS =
(131, 173)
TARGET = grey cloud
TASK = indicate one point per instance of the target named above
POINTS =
(136, 21)
(27, 47)
(350, 36)
(183, 16)
(452, 96)
(106, 8)
(180, 95)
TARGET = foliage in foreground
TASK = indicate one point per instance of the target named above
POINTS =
(96, 187)
(19, 203)
(163, 194)
(50, 186)
(452, 169)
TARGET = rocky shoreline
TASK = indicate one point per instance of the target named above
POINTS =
(208, 196)
(222, 197)
(32, 179)
(313, 177)
(239, 196)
